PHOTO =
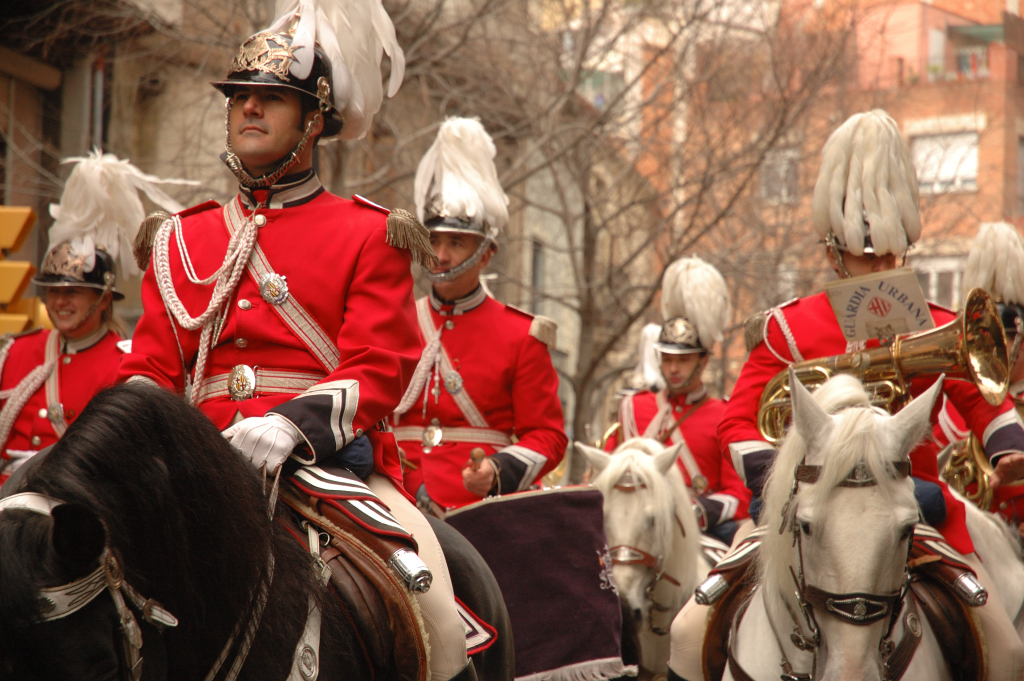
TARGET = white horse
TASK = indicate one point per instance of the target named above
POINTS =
(655, 542)
(845, 521)
(839, 516)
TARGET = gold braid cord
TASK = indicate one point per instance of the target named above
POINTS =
(142, 248)
(405, 231)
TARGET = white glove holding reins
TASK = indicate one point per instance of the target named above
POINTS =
(267, 441)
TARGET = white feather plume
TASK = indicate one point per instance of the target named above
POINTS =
(101, 207)
(647, 374)
(866, 175)
(354, 34)
(996, 263)
(694, 289)
(459, 166)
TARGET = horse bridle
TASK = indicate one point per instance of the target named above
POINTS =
(856, 608)
(61, 601)
(624, 554)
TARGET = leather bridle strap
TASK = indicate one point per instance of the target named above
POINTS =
(858, 477)
(896, 665)
(853, 608)
(630, 555)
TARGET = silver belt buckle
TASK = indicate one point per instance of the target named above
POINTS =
(241, 382)
(433, 436)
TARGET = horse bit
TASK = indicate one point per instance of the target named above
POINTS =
(856, 608)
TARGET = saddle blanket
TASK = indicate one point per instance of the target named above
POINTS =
(344, 490)
(479, 634)
(548, 552)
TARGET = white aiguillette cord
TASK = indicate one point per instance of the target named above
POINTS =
(211, 321)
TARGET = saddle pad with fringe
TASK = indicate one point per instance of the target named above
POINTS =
(385, 613)
(342, 489)
(547, 550)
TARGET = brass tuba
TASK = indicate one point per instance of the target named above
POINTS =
(972, 347)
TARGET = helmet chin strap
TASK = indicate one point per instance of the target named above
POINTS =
(269, 179)
(833, 246)
(465, 265)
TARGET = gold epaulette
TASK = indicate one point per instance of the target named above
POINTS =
(405, 231)
(545, 330)
(142, 248)
(753, 329)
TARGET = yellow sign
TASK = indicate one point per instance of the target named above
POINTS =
(18, 314)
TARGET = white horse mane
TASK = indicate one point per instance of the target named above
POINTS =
(636, 457)
(856, 439)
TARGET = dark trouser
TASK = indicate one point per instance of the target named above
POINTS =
(724, 531)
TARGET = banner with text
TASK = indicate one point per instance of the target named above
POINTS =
(879, 305)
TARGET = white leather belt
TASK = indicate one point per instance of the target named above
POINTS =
(244, 382)
(448, 434)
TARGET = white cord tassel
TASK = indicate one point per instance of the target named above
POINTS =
(239, 250)
(421, 375)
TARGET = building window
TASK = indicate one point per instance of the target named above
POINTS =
(946, 163)
(940, 279)
(780, 176)
(1020, 176)
(537, 262)
(972, 62)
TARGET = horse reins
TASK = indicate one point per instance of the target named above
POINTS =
(67, 599)
(855, 608)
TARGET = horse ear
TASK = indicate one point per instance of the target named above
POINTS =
(663, 462)
(78, 537)
(912, 422)
(597, 458)
(809, 419)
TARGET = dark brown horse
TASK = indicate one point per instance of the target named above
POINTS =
(150, 480)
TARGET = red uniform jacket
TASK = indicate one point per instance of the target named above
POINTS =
(726, 498)
(340, 268)
(817, 334)
(508, 375)
(1007, 500)
(83, 369)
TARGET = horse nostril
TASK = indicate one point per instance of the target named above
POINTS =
(637, 614)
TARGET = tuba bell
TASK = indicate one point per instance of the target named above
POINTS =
(972, 347)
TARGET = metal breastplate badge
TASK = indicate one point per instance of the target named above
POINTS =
(453, 382)
(274, 288)
(241, 382)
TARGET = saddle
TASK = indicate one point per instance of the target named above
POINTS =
(384, 612)
(933, 576)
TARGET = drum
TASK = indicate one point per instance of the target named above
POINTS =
(547, 550)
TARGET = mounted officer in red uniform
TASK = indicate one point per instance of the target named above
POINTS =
(866, 211)
(695, 303)
(485, 380)
(995, 264)
(49, 376)
(287, 314)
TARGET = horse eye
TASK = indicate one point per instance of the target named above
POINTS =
(805, 527)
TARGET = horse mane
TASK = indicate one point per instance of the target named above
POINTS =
(636, 457)
(186, 515)
(855, 439)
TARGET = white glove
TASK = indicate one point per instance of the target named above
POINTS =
(265, 440)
